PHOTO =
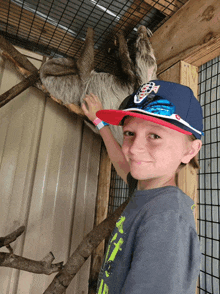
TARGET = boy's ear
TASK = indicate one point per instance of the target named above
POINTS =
(193, 150)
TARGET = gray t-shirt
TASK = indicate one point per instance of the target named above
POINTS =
(154, 248)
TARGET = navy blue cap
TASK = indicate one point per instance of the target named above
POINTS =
(165, 103)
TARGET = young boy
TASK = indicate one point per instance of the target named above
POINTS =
(154, 248)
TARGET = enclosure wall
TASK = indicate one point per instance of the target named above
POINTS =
(49, 164)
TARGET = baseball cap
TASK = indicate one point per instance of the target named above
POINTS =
(169, 104)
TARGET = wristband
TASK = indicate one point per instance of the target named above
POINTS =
(97, 121)
(101, 125)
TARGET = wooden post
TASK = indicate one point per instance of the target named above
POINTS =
(186, 74)
(101, 214)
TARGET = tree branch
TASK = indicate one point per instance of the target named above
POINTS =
(75, 261)
(4, 241)
(25, 67)
(19, 88)
(11, 260)
(83, 251)
(19, 67)
(19, 58)
(44, 266)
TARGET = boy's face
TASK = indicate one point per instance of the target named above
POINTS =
(154, 152)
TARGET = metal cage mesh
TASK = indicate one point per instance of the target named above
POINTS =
(118, 192)
(58, 27)
(209, 177)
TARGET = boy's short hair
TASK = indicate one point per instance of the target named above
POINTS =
(165, 103)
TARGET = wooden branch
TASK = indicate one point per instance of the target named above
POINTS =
(19, 58)
(192, 34)
(75, 261)
(83, 251)
(11, 260)
(19, 88)
(44, 266)
(19, 68)
(4, 241)
(22, 65)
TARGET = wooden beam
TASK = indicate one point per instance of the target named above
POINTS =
(19, 63)
(164, 6)
(185, 74)
(101, 214)
(187, 179)
(192, 34)
(16, 57)
(19, 88)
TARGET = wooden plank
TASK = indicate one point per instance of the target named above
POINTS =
(172, 74)
(103, 187)
(187, 179)
(164, 6)
(188, 176)
(187, 75)
(101, 209)
(188, 35)
(205, 53)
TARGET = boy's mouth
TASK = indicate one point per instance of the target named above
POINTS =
(139, 161)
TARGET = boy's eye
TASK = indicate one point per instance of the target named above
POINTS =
(128, 134)
(154, 136)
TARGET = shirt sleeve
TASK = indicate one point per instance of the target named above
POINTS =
(165, 259)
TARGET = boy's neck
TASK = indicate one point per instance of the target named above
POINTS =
(155, 183)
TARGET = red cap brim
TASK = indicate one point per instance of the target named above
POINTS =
(114, 117)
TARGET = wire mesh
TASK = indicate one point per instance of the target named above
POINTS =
(58, 27)
(118, 191)
(209, 177)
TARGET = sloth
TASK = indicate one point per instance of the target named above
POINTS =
(69, 80)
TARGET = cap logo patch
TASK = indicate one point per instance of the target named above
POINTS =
(144, 91)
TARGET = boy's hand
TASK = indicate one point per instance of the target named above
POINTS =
(94, 105)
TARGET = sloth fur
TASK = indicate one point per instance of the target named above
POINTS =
(69, 80)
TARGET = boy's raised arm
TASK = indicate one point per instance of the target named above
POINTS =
(113, 148)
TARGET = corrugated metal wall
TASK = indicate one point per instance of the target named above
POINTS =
(49, 164)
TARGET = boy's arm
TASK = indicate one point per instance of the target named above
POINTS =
(113, 148)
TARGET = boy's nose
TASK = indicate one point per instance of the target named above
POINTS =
(138, 145)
